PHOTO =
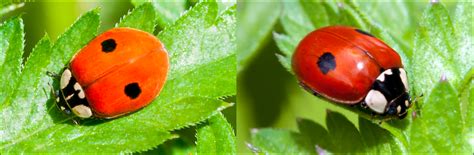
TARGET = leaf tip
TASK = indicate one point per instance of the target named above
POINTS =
(225, 105)
(252, 148)
(443, 78)
(320, 150)
(96, 10)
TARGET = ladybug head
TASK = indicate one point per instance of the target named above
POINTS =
(389, 94)
(399, 106)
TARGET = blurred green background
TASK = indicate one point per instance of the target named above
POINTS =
(54, 17)
(269, 95)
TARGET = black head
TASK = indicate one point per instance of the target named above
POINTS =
(399, 106)
(389, 94)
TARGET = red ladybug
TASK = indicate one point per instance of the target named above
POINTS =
(350, 66)
(120, 71)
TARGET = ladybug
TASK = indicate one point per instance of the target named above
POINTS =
(118, 72)
(350, 66)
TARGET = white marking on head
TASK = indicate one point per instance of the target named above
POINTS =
(403, 76)
(77, 86)
(381, 77)
(65, 78)
(81, 95)
(82, 111)
(376, 101)
(81, 92)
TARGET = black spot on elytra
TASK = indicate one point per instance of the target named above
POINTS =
(326, 62)
(108, 45)
(364, 33)
(132, 90)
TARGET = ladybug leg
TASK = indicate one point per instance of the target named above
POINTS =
(309, 89)
(75, 121)
(364, 105)
(55, 93)
(380, 120)
(373, 116)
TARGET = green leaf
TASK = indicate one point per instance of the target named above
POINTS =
(295, 22)
(378, 140)
(443, 44)
(341, 136)
(316, 133)
(26, 113)
(11, 51)
(176, 114)
(440, 127)
(316, 13)
(142, 17)
(216, 136)
(13, 115)
(7, 7)
(286, 45)
(466, 93)
(345, 135)
(280, 141)
(442, 47)
(253, 30)
(167, 12)
(173, 147)
(197, 41)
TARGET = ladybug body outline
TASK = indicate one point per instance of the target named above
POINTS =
(120, 71)
(350, 66)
